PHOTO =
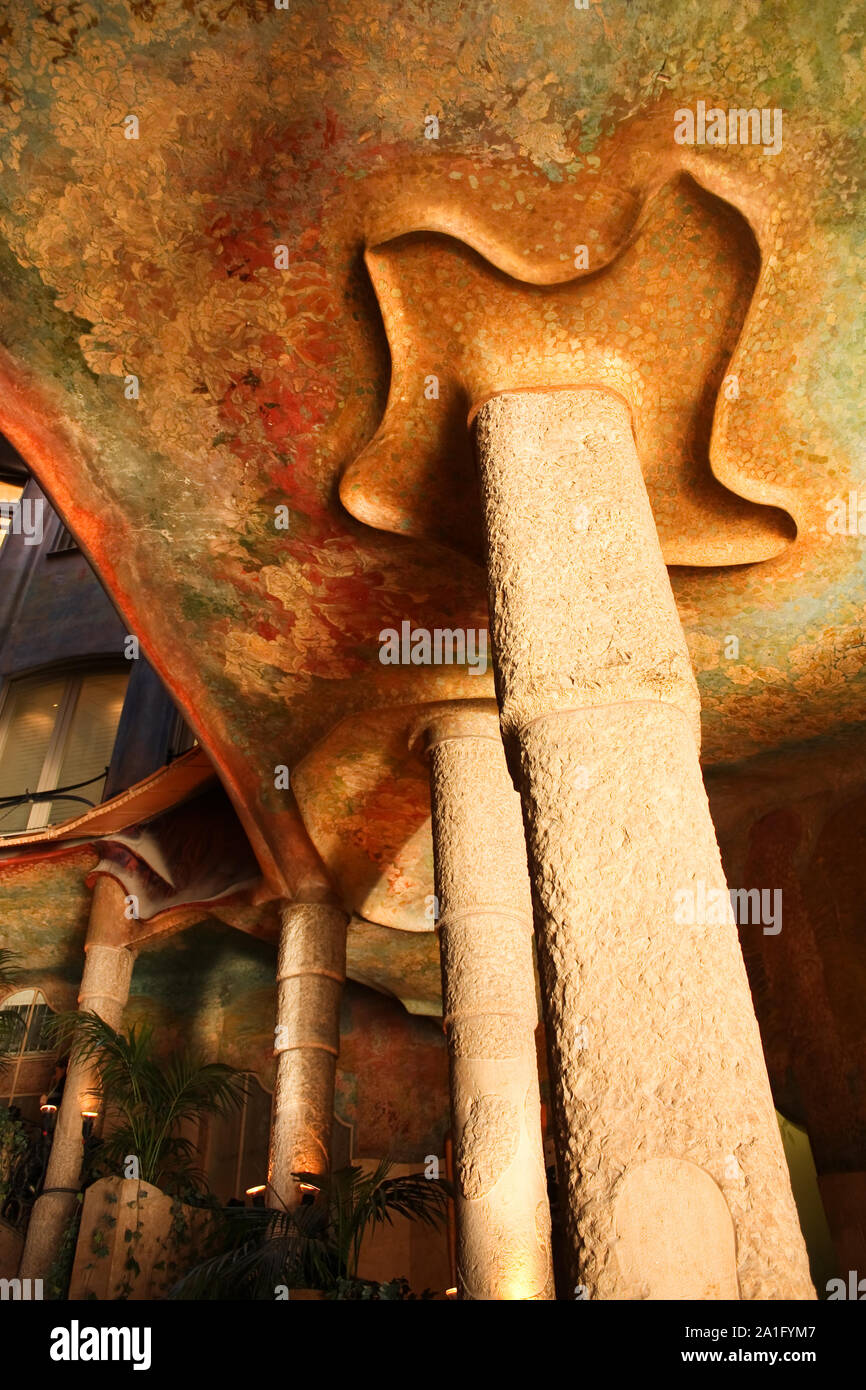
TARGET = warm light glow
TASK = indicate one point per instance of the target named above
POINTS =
(518, 1291)
(48, 1109)
(450, 1293)
(254, 1191)
(307, 1187)
(89, 1114)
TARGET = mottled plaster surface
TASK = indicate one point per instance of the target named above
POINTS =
(260, 386)
(44, 911)
(392, 1079)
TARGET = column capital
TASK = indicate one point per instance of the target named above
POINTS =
(434, 724)
(582, 611)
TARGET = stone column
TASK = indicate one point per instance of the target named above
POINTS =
(491, 1011)
(311, 968)
(669, 1152)
(104, 990)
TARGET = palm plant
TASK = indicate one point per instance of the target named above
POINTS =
(315, 1246)
(11, 1024)
(8, 969)
(149, 1097)
(356, 1201)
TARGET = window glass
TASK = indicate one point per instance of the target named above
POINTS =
(237, 1150)
(55, 732)
(91, 739)
(29, 717)
(31, 1007)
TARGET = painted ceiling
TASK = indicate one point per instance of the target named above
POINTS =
(283, 257)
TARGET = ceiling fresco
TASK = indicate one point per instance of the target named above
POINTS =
(292, 245)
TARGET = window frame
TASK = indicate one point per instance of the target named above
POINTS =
(39, 1000)
(22, 1056)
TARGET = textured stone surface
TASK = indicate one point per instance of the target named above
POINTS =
(582, 611)
(311, 968)
(692, 1258)
(490, 1010)
(487, 1145)
(654, 1047)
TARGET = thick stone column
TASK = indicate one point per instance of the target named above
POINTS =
(491, 1011)
(104, 990)
(667, 1141)
(311, 968)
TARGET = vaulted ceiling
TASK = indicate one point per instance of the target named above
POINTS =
(173, 377)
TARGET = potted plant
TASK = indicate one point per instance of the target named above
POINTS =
(268, 1253)
(143, 1164)
(148, 1097)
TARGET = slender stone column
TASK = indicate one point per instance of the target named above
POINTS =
(667, 1141)
(104, 990)
(491, 1011)
(311, 968)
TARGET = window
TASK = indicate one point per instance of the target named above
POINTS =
(28, 1054)
(57, 731)
(237, 1144)
(32, 1009)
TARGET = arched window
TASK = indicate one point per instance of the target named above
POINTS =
(57, 730)
(32, 1008)
(28, 1067)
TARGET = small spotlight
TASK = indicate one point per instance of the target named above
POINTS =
(450, 1293)
(258, 1194)
(87, 1118)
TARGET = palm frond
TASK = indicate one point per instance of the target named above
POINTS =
(12, 1028)
(262, 1249)
(149, 1097)
(10, 971)
(11, 1024)
(356, 1201)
